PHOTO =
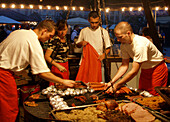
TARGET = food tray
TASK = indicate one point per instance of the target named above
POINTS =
(155, 102)
(158, 116)
(67, 110)
(155, 112)
(70, 100)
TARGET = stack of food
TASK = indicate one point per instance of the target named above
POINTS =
(30, 101)
(155, 103)
(56, 96)
(87, 115)
(97, 86)
(136, 112)
(109, 110)
(65, 92)
(57, 102)
(122, 91)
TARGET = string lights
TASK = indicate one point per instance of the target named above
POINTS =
(48, 7)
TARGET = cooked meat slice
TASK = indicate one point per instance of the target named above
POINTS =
(142, 115)
(131, 107)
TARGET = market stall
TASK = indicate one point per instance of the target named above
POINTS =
(48, 104)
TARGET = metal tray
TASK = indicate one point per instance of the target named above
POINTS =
(156, 113)
(53, 112)
(67, 110)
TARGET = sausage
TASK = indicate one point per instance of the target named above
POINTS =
(73, 105)
(98, 89)
(81, 98)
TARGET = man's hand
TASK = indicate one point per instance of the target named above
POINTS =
(114, 87)
(61, 68)
(111, 89)
(68, 83)
(117, 86)
(84, 43)
(101, 57)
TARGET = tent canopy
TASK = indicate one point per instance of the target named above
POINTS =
(112, 26)
(104, 26)
(163, 20)
(78, 21)
(7, 20)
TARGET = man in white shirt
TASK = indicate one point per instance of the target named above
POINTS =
(93, 36)
(20, 48)
(145, 55)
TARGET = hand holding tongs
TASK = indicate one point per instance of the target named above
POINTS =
(96, 96)
(84, 84)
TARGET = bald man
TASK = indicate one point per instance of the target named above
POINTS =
(145, 55)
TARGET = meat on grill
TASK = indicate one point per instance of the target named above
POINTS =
(111, 104)
(142, 115)
(137, 112)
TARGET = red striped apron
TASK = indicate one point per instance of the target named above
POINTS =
(90, 68)
(57, 72)
(8, 96)
(150, 78)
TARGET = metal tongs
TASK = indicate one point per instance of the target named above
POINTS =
(99, 94)
(84, 84)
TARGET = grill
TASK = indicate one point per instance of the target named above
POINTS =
(41, 112)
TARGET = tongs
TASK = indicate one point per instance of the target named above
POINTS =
(99, 94)
(82, 83)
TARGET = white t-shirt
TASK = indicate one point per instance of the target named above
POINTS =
(21, 48)
(94, 37)
(143, 51)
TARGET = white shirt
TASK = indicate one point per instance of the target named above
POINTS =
(94, 37)
(21, 48)
(143, 51)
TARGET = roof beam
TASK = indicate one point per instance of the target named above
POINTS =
(152, 25)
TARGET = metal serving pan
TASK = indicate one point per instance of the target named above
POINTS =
(156, 113)
(67, 110)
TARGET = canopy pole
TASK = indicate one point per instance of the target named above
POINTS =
(69, 10)
(152, 24)
(95, 5)
(104, 8)
(99, 12)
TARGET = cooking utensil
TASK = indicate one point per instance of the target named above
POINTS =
(84, 84)
(82, 106)
(99, 94)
